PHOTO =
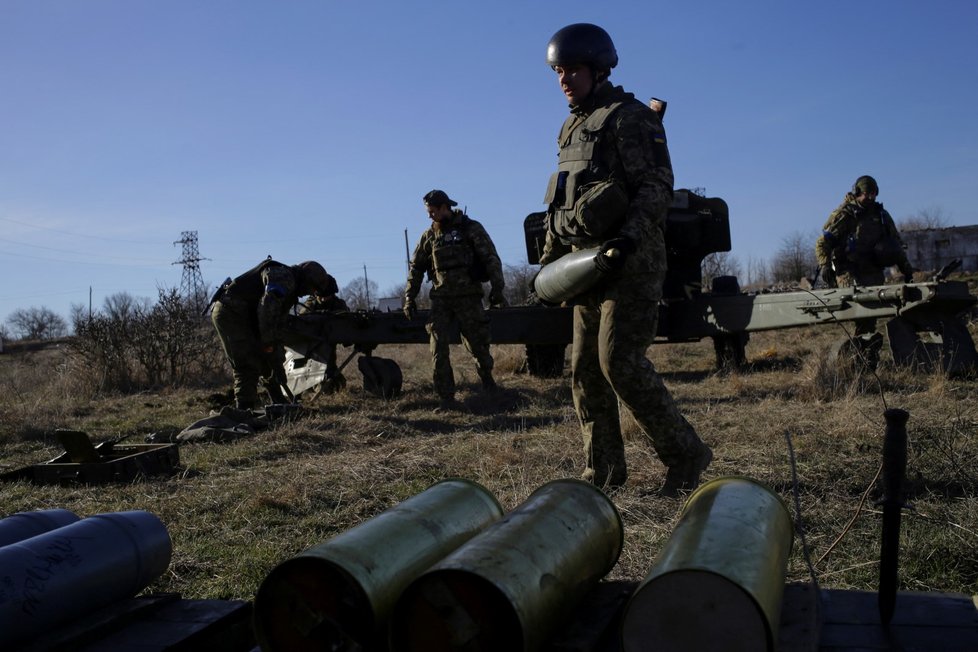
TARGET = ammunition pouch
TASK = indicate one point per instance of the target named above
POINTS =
(599, 211)
(888, 251)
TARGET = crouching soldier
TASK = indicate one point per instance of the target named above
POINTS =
(249, 317)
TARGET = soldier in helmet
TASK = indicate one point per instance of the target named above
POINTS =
(612, 189)
(249, 316)
(858, 242)
(458, 256)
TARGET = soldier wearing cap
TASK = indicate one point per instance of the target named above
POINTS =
(858, 242)
(458, 256)
(612, 189)
(249, 314)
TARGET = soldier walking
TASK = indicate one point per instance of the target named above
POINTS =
(458, 256)
(612, 189)
(858, 242)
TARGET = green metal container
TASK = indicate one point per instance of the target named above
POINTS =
(338, 595)
(718, 582)
(509, 587)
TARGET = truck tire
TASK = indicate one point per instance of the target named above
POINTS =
(545, 360)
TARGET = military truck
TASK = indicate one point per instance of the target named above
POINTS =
(925, 322)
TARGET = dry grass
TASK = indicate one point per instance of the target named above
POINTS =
(235, 510)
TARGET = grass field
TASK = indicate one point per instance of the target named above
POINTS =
(234, 510)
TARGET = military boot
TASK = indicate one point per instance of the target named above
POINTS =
(685, 476)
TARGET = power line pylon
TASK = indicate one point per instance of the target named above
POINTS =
(192, 283)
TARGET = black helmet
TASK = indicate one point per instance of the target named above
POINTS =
(865, 184)
(313, 278)
(582, 44)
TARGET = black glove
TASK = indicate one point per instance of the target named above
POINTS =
(612, 254)
(907, 274)
(496, 298)
(828, 275)
(409, 310)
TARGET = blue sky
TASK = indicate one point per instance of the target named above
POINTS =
(311, 129)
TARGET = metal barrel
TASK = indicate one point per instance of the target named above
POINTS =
(25, 525)
(567, 277)
(65, 573)
(718, 582)
(511, 586)
(894, 469)
(338, 595)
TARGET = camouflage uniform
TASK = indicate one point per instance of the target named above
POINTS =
(331, 303)
(248, 319)
(614, 136)
(857, 244)
(448, 252)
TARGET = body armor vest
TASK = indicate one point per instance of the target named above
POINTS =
(584, 201)
(249, 286)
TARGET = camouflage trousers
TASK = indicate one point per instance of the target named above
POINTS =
(242, 346)
(473, 325)
(863, 328)
(613, 328)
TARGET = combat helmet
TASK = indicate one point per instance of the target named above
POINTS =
(313, 278)
(866, 184)
(582, 44)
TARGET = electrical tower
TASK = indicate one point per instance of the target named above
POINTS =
(192, 284)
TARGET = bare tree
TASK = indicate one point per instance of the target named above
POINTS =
(37, 323)
(719, 263)
(757, 273)
(123, 305)
(795, 259)
(517, 279)
(360, 294)
(928, 218)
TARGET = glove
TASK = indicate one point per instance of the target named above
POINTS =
(907, 274)
(612, 254)
(409, 310)
(828, 275)
(496, 298)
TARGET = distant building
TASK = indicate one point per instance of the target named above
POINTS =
(389, 304)
(932, 249)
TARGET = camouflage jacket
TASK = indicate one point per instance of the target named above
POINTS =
(618, 139)
(264, 295)
(860, 241)
(450, 254)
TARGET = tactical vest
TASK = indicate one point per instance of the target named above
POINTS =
(585, 202)
(451, 248)
(250, 286)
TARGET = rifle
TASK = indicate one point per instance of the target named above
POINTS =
(218, 294)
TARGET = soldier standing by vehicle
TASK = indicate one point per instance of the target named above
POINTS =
(249, 314)
(458, 256)
(612, 188)
(859, 241)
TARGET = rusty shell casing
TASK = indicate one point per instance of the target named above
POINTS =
(718, 582)
(25, 525)
(509, 587)
(76, 569)
(338, 595)
(568, 276)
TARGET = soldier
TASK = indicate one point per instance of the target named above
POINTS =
(458, 256)
(859, 241)
(612, 189)
(249, 314)
(328, 301)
